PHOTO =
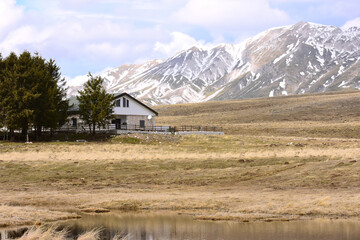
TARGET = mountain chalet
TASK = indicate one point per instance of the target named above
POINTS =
(129, 114)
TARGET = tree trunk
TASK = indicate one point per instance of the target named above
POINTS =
(24, 132)
(93, 129)
(12, 135)
(38, 132)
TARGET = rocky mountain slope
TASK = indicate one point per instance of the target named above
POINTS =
(297, 59)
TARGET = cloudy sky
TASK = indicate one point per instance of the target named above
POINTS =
(92, 35)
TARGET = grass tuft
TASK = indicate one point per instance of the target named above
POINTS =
(43, 233)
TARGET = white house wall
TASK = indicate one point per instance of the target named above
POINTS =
(133, 109)
(135, 120)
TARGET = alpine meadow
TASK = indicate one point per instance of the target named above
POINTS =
(301, 163)
(216, 119)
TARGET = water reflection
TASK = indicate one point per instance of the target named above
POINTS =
(151, 227)
(147, 227)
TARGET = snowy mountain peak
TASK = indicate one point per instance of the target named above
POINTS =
(301, 58)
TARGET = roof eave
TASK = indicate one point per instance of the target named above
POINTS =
(128, 95)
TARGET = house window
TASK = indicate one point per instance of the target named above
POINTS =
(74, 122)
(142, 123)
(117, 104)
(125, 102)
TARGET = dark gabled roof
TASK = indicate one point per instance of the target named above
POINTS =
(119, 95)
(74, 103)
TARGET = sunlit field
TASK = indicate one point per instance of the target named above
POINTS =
(300, 162)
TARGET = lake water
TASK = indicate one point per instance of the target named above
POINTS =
(148, 227)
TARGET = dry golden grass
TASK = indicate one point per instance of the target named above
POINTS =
(91, 235)
(25, 215)
(234, 177)
(334, 114)
(50, 233)
(41, 233)
(289, 158)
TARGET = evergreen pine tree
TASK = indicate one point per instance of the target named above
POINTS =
(2, 115)
(8, 104)
(59, 104)
(95, 105)
(32, 94)
(50, 108)
(30, 75)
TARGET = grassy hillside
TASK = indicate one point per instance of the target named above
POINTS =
(333, 114)
(231, 177)
(274, 164)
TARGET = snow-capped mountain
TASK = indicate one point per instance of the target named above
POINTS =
(297, 59)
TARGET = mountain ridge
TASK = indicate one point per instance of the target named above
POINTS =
(296, 59)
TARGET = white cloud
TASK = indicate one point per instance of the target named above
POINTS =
(105, 50)
(301, 1)
(10, 15)
(339, 9)
(83, 35)
(81, 79)
(180, 41)
(231, 15)
(76, 81)
(352, 23)
(24, 36)
(79, 41)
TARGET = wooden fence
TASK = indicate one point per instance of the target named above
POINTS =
(134, 127)
(190, 128)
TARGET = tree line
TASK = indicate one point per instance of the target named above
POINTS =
(33, 96)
